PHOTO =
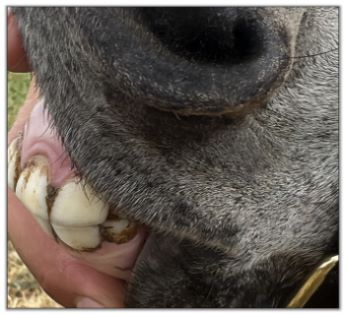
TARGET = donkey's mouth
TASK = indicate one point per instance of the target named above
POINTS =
(66, 207)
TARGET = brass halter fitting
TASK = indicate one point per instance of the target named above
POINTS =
(313, 282)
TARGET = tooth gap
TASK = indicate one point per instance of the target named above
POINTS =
(28, 169)
(18, 170)
(52, 192)
(17, 173)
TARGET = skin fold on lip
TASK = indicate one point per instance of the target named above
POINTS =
(40, 139)
(38, 166)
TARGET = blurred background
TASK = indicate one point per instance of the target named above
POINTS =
(23, 291)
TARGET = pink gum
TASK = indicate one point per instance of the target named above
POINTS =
(40, 139)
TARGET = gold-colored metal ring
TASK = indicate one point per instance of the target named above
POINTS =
(313, 282)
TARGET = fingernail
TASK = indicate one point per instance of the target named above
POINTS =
(9, 15)
(85, 302)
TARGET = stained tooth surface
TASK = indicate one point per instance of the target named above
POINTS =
(13, 160)
(31, 189)
(75, 205)
(80, 238)
(118, 231)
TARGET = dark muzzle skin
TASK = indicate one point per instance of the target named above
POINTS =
(204, 280)
(209, 126)
(209, 60)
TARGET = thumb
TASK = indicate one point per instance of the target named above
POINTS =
(16, 57)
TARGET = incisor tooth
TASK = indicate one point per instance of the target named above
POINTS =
(76, 205)
(13, 160)
(31, 189)
(80, 238)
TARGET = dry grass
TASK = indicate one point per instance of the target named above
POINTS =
(23, 291)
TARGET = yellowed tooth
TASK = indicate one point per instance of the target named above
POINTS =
(13, 160)
(79, 238)
(31, 189)
(118, 230)
(76, 205)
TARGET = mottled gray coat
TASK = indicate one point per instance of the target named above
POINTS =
(232, 162)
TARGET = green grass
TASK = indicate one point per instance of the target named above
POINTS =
(18, 84)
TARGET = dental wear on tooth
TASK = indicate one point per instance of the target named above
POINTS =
(13, 160)
(118, 231)
(79, 238)
(76, 205)
(31, 189)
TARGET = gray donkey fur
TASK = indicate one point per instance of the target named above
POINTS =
(234, 170)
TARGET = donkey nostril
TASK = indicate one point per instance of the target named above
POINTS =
(247, 40)
(206, 35)
(199, 61)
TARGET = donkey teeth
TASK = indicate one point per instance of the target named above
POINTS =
(31, 189)
(13, 160)
(72, 213)
(76, 214)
